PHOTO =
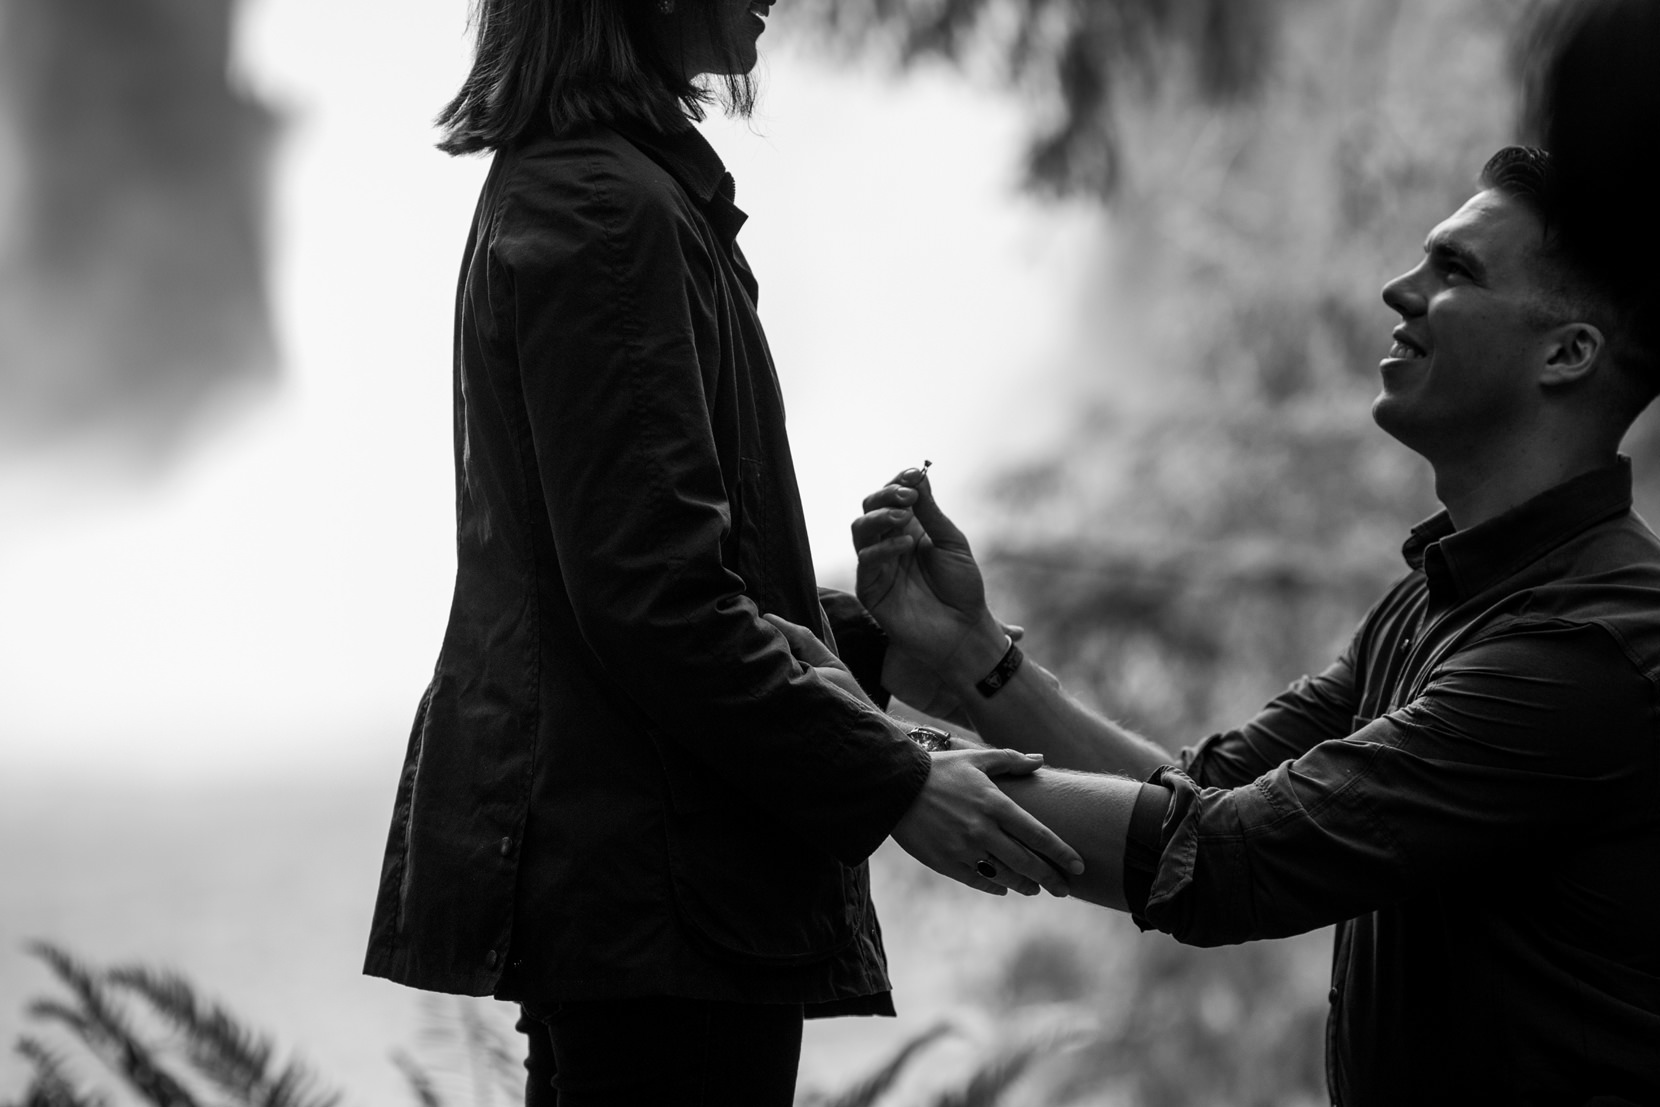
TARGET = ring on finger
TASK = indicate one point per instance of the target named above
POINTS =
(986, 867)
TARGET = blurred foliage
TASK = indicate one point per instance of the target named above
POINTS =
(871, 1088)
(1076, 56)
(1088, 67)
(1082, 1009)
(465, 1057)
(132, 220)
(997, 1069)
(167, 1047)
(163, 1043)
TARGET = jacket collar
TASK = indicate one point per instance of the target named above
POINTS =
(1458, 564)
(687, 157)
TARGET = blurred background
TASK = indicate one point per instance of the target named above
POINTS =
(1112, 265)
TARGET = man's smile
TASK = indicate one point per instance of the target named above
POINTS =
(1405, 347)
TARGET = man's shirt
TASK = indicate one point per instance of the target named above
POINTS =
(1471, 793)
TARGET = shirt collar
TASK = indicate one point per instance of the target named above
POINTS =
(687, 157)
(1458, 564)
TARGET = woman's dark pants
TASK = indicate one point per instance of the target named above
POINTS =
(641, 1052)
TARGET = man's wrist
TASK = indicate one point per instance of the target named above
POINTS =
(980, 652)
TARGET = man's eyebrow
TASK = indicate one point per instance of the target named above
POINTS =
(1448, 249)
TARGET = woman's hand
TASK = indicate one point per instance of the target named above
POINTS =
(964, 827)
(961, 817)
(810, 651)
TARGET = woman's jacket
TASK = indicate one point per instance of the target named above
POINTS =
(619, 781)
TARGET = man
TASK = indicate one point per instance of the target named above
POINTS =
(1471, 792)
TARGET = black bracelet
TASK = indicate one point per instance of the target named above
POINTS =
(1003, 673)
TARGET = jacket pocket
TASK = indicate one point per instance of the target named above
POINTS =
(745, 884)
(753, 891)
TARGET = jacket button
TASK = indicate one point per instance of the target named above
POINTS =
(1331, 996)
(490, 959)
(506, 846)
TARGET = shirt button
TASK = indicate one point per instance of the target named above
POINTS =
(506, 846)
(1331, 996)
(490, 959)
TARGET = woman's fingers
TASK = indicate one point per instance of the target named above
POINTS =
(1016, 822)
(804, 643)
(1036, 870)
(1038, 842)
(1009, 874)
(981, 884)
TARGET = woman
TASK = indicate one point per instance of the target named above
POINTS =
(625, 805)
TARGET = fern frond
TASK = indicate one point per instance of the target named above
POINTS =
(491, 1058)
(96, 1015)
(104, 1029)
(51, 1085)
(458, 1040)
(232, 1056)
(986, 1086)
(420, 1080)
(52, 1010)
(296, 1086)
(867, 1091)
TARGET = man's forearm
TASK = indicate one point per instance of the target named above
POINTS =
(1091, 813)
(1032, 712)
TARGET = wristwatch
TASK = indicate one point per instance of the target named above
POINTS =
(930, 738)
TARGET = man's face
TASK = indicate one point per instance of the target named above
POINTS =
(1464, 366)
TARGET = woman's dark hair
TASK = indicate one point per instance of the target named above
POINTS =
(571, 62)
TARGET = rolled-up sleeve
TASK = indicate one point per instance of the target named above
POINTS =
(1517, 739)
(615, 313)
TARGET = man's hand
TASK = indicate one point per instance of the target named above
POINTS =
(961, 818)
(919, 579)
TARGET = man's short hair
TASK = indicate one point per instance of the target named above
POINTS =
(1576, 286)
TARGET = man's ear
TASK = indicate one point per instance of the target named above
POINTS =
(1572, 351)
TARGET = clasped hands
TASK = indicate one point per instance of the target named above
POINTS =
(918, 578)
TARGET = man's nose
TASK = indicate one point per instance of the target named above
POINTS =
(1402, 294)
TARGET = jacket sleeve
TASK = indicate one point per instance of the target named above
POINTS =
(612, 299)
(860, 641)
(1519, 742)
(1313, 710)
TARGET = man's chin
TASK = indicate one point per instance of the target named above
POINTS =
(1390, 414)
